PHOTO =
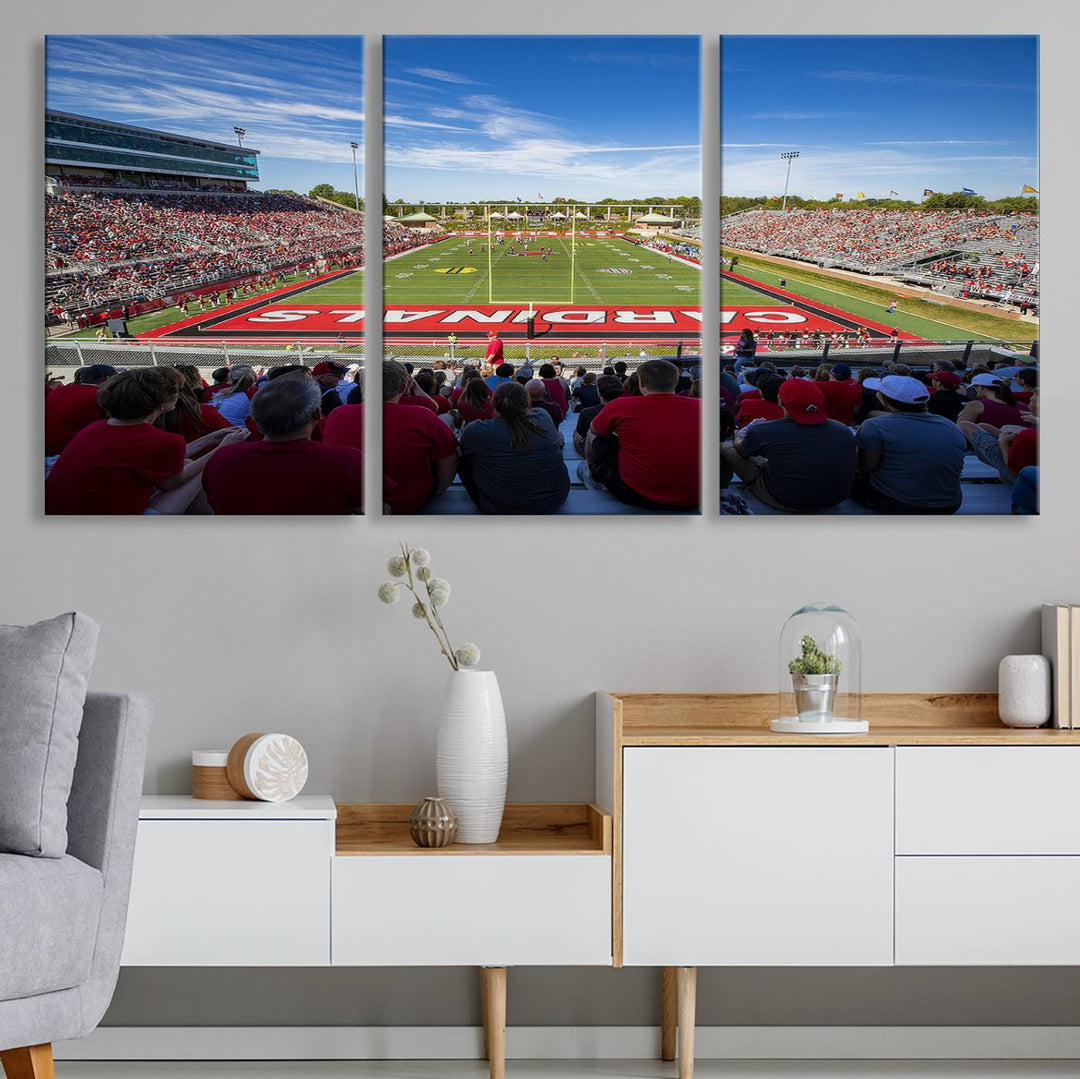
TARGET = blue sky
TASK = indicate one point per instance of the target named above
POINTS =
(508, 117)
(300, 98)
(875, 114)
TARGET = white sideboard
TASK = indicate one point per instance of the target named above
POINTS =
(749, 856)
(231, 883)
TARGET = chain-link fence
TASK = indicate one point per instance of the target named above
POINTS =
(593, 355)
(63, 358)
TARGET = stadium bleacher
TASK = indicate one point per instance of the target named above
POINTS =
(582, 499)
(1001, 250)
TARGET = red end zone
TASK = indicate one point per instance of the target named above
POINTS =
(465, 321)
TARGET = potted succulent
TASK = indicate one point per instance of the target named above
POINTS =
(815, 675)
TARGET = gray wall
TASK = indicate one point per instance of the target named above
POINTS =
(240, 625)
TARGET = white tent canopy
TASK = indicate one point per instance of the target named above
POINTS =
(496, 215)
(558, 216)
(514, 216)
(581, 216)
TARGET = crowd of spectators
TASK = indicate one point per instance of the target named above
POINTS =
(501, 429)
(893, 440)
(674, 247)
(161, 440)
(105, 246)
(876, 240)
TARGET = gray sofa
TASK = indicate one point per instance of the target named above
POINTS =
(62, 919)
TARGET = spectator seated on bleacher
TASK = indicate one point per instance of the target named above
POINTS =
(946, 399)
(650, 455)
(191, 419)
(799, 463)
(609, 388)
(910, 460)
(842, 394)
(475, 401)
(286, 472)
(538, 398)
(585, 394)
(556, 387)
(419, 450)
(1009, 449)
(994, 403)
(513, 464)
(234, 401)
(124, 464)
(764, 404)
(68, 409)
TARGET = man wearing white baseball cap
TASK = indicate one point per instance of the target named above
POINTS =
(910, 460)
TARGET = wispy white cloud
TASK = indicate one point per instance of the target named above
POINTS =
(905, 78)
(439, 75)
(640, 58)
(943, 142)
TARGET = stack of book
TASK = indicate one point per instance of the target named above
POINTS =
(1061, 645)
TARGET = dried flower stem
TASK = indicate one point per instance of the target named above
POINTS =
(434, 624)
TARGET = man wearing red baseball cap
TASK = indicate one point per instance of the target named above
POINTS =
(801, 463)
(946, 399)
(494, 352)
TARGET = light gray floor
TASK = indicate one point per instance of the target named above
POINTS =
(573, 1069)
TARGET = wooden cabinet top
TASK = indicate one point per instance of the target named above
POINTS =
(717, 719)
(575, 828)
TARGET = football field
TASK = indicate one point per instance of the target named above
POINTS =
(599, 270)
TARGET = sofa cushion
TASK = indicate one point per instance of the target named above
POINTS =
(44, 669)
(49, 911)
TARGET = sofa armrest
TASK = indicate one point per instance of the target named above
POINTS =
(103, 815)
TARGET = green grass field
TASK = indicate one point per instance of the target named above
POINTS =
(932, 321)
(447, 273)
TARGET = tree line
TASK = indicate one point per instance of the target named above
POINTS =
(940, 200)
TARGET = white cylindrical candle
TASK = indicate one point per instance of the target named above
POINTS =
(1024, 691)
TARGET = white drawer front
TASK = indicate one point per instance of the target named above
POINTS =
(472, 910)
(980, 911)
(988, 800)
(757, 856)
(230, 893)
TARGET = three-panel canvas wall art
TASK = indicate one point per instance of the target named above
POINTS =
(542, 320)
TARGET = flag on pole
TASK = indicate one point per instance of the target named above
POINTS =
(967, 191)
(838, 195)
(926, 192)
(1029, 190)
(861, 195)
(538, 195)
(896, 193)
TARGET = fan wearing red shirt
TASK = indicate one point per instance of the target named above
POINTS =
(493, 354)
(125, 464)
(68, 409)
(556, 390)
(419, 450)
(766, 406)
(286, 472)
(658, 463)
(843, 395)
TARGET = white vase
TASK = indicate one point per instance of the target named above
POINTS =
(1024, 691)
(470, 754)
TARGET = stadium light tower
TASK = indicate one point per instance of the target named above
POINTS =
(355, 179)
(240, 133)
(789, 156)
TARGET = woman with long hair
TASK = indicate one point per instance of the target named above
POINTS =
(994, 404)
(234, 402)
(190, 419)
(513, 463)
(475, 402)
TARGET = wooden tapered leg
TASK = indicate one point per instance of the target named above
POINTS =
(493, 993)
(31, 1062)
(669, 996)
(484, 1011)
(687, 981)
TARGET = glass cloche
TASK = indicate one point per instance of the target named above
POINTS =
(820, 672)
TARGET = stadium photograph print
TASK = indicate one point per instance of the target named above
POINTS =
(880, 275)
(202, 207)
(542, 271)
